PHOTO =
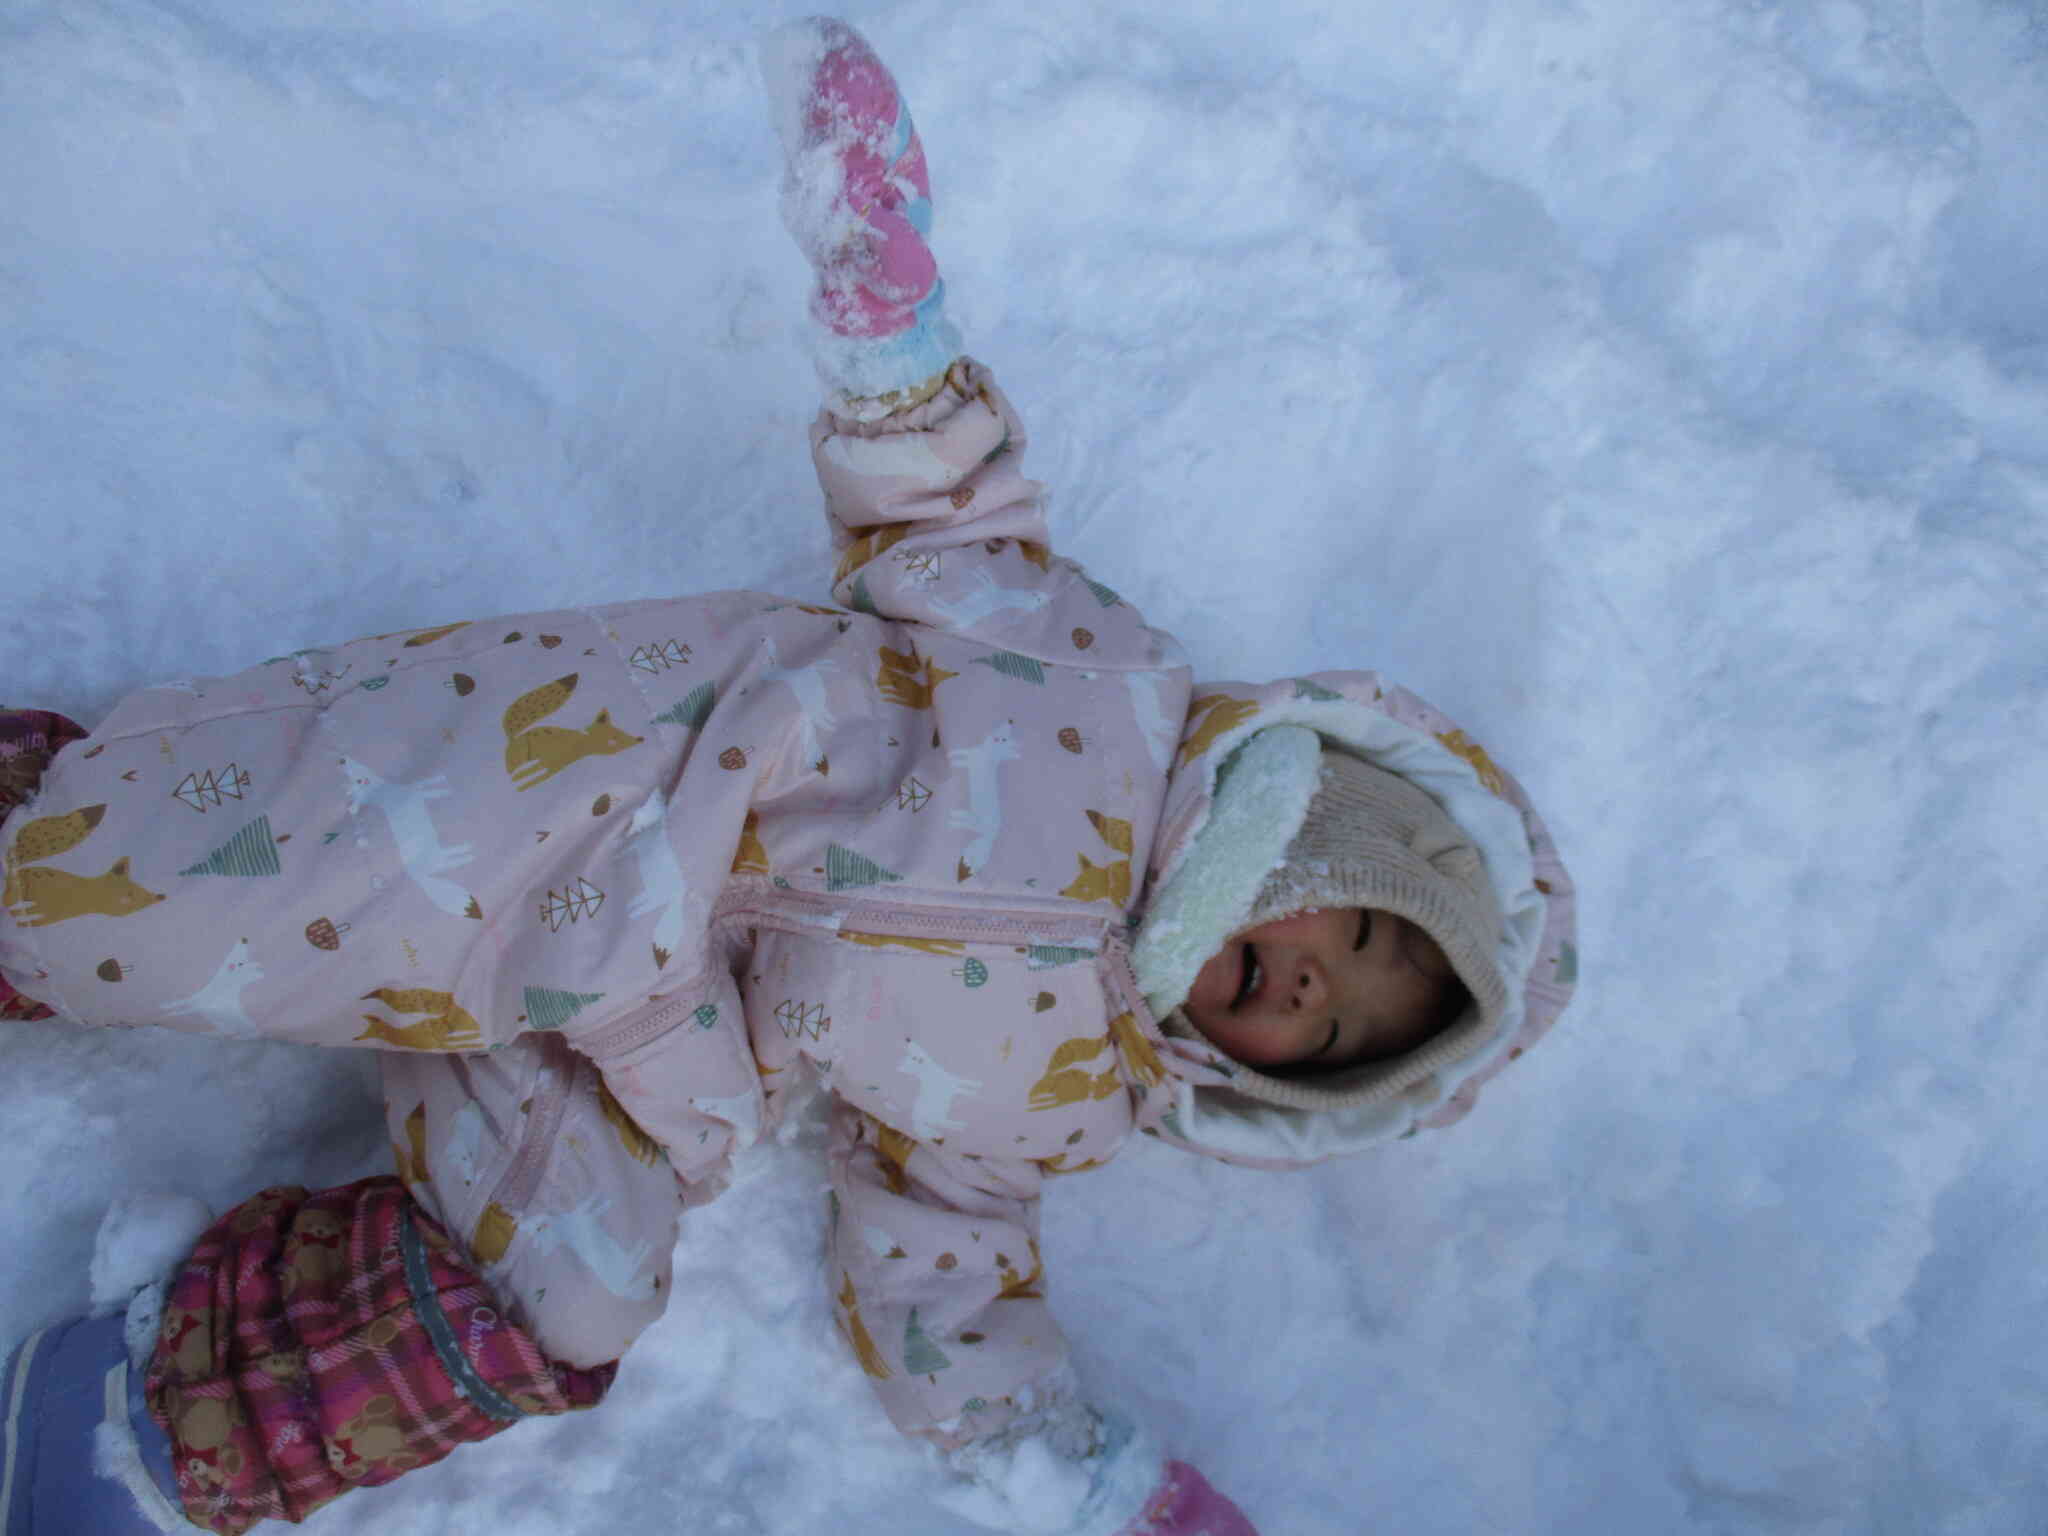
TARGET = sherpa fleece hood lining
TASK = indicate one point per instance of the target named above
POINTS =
(1257, 782)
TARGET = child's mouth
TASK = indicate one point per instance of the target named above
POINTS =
(1248, 984)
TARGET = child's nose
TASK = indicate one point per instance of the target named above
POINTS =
(1309, 988)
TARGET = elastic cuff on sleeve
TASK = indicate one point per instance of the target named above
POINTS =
(860, 369)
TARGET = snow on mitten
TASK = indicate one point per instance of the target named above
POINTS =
(1065, 1469)
(1185, 1505)
(857, 197)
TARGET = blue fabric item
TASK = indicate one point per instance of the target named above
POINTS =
(918, 210)
(899, 140)
(151, 1441)
(1111, 1485)
(930, 345)
(867, 366)
(56, 1395)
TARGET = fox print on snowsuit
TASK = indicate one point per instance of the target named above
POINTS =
(602, 884)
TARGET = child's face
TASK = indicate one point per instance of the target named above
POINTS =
(1322, 989)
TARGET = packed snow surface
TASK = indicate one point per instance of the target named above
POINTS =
(1658, 386)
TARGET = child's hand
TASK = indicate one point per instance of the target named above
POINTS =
(1185, 1505)
(857, 197)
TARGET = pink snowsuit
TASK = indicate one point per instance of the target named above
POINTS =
(604, 883)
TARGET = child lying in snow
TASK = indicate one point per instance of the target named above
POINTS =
(968, 844)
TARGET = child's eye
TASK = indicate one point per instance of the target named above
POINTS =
(1364, 927)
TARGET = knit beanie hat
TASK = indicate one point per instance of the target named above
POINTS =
(1371, 838)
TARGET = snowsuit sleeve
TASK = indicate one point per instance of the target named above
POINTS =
(940, 1291)
(400, 842)
(937, 1280)
(936, 523)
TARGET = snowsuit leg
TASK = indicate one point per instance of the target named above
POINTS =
(29, 738)
(567, 1207)
(314, 1343)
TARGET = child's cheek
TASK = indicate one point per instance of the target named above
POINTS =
(1213, 988)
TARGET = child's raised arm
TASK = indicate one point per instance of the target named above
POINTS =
(920, 458)
(919, 454)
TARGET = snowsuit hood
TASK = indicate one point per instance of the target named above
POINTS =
(1246, 768)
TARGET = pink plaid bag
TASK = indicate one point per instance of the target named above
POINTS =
(317, 1343)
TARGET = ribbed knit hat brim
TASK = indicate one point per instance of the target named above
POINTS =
(1373, 839)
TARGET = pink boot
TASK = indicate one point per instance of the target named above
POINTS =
(857, 196)
(1186, 1505)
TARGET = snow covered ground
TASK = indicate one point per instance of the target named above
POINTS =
(1660, 386)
